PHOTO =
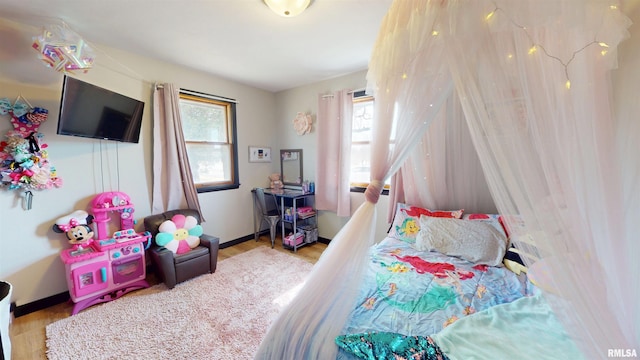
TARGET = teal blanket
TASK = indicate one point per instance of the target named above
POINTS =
(523, 329)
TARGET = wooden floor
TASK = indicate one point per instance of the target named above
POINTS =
(28, 332)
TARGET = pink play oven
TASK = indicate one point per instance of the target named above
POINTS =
(114, 264)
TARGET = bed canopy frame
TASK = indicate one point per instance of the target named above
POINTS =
(531, 80)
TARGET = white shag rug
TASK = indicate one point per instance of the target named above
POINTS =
(223, 315)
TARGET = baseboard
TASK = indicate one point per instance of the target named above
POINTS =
(40, 304)
(238, 240)
(62, 297)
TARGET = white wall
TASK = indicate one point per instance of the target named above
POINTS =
(29, 249)
(305, 99)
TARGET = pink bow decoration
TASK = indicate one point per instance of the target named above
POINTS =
(57, 182)
(73, 222)
(16, 176)
(76, 218)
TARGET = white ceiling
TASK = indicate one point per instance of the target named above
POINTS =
(241, 40)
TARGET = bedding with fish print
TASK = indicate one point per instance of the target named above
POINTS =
(412, 292)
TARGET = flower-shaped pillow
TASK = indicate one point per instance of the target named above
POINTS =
(180, 234)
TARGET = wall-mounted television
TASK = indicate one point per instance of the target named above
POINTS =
(90, 111)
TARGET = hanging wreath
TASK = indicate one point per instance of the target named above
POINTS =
(24, 159)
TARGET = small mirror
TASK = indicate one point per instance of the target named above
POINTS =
(291, 166)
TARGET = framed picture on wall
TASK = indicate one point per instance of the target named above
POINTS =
(259, 154)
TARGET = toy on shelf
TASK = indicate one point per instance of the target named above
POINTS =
(111, 265)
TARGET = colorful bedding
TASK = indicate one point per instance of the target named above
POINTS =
(413, 292)
(529, 318)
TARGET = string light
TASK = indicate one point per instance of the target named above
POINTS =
(490, 15)
(534, 48)
(435, 33)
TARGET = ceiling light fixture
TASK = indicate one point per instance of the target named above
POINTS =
(288, 8)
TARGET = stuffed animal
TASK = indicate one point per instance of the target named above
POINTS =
(180, 234)
(276, 183)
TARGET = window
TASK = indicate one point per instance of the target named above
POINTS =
(361, 142)
(209, 127)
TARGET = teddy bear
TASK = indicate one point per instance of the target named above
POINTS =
(276, 183)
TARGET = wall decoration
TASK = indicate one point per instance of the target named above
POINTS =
(63, 50)
(302, 123)
(24, 162)
(259, 154)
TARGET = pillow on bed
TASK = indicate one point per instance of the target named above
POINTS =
(386, 345)
(494, 220)
(406, 222)
(474, 241)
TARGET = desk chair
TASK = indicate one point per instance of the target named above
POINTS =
(272, 217)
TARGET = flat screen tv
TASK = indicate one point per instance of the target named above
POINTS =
(90, 111)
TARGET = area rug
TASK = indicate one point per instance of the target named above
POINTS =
(223, 315)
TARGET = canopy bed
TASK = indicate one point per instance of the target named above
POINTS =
(530, 81)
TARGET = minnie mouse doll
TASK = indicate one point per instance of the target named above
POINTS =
(76, 228)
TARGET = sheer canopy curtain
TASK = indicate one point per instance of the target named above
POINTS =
(307, 328)
(533, 79)
(335, 113)
(443, 170)
(173, 186)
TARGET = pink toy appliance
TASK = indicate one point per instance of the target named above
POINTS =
(114, 263)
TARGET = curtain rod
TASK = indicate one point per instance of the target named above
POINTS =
(208, 96)
(201, 94)
(349, 92)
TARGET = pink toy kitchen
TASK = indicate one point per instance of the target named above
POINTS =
(107, 260)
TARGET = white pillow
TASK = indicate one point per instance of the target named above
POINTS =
(474, 241)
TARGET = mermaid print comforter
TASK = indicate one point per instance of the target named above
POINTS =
(413, 292)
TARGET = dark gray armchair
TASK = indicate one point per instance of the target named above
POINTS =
(174, 269)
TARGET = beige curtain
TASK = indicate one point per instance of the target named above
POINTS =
(173, 186)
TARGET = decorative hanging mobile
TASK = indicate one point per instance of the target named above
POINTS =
(24, 162)
(63, 50)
